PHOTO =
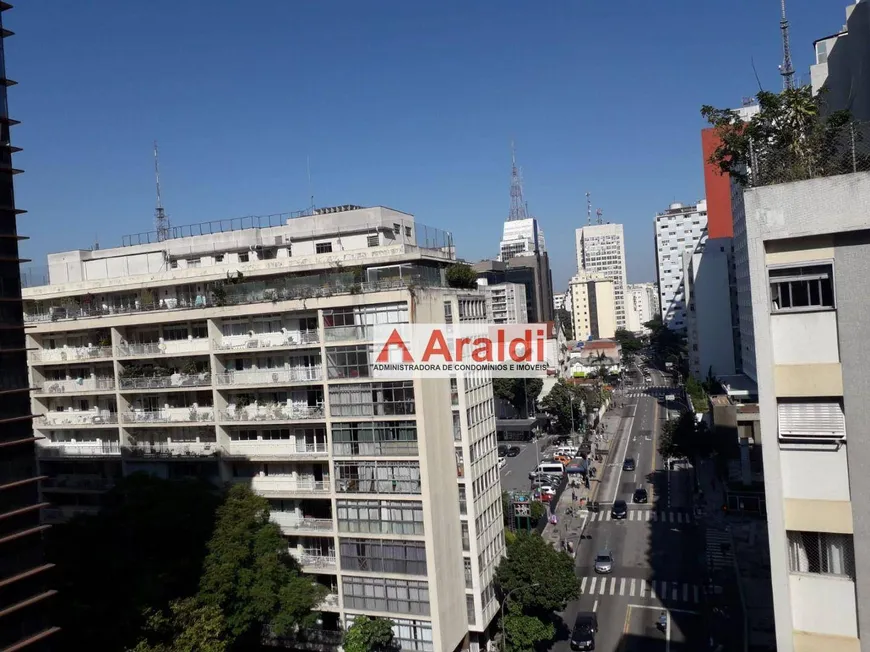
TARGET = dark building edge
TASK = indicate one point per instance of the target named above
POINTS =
(25, 589)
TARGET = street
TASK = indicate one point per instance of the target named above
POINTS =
(515, 474)
(655, 549)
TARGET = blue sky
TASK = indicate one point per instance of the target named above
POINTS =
(407, 103)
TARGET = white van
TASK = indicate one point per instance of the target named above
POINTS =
(549, 468)
(567, 451)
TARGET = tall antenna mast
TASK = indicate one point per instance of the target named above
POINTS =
(588, 209)
(598, 214)
(518, 205)
(161, 221)
(786, 69)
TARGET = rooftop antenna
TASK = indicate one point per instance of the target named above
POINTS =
(518, 209)
(310, 189)
(786, 69)
(588, 209)
(161, 221)
(598, 213)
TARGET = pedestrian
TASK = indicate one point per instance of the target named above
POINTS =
(573, 496)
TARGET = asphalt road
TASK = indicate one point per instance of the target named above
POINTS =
(515, 474)
(655, 550)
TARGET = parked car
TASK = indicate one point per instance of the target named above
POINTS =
(604, 562)
(583, 634)
(502, 462)
(513, 451)
(640, 495)
(619, 510)
(502, 450)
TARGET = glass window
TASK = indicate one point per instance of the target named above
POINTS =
(323, 248)
(821, 553)
(380, 517)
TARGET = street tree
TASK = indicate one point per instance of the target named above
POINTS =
(521, 393)
(523, 633)
(251, 577)
(186, 626)
(558, 403)
(564, 318)
(684, 437)
(462, 276)
(369, 635)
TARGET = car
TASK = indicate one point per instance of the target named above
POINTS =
(502, 450)
(583, 634)
(513, 451)
(628, 464)
(564, 459)
(619, 510)
(640, 495)
(502, 462)
(604, 562)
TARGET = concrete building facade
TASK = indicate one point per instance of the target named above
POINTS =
(641, 305)
(521, 237)
(245, 356)
(808, 248)
(601, 251)
(679, 233)
(532, 271)
(505, 302)
(593, 307)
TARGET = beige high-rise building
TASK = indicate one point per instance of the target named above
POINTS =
(245, 356)
(593, 307)
(601, 251)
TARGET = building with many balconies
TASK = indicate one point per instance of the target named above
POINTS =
(245, 356)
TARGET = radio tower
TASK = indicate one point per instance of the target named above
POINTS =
(598, 214)
(786, 69)
(588, 209)
(518, 205)
(161, 221)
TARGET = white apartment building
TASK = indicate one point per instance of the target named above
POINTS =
(679, 232)
(808, 257)
(641, 305)
(601, 251)
(521, 237)
(558, 301)
(244, 356)
(593, 307)
(505, 302)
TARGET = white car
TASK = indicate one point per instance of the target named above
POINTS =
(502, 462)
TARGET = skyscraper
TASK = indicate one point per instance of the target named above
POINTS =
(23, 573)
(601, 251)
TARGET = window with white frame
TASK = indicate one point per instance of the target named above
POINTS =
(821, 553)
(811, 420)
(810, 287)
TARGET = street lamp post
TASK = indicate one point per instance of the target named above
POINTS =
(571, 399)
(504, 602)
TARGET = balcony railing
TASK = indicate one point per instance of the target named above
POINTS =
(78, 385)
(307, 560)
(172, 347)
(274, 414)
(374, 448)
(266, 341)
(99, 449)
(270, 376)
(66, 419)
(356, 333)
(170, 415)
(292, 521)
(278, 486)
(174, 449)
(78, 482)
(71, 354)
(166, 382)
(276, 448)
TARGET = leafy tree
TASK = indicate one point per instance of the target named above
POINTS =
(369, 635)
(250, 576)
(630, 344)
(791, 138)
(523, 632)
(684, 437)
(460, 275)
(150, 532)
(559, 405)
(521, 393)
(564, 318)
(667, 344)
(187, 626)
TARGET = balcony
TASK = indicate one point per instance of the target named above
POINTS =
(70, 354)
(74, 483)
(356, 333)
(172, 347)
(169, 415)
(313, 562)
(73, 419)
(183, 449)
(66, 512)
(330, 603)
(273, 414)
(46, 448)
(263, 341)
(277, 486)
(280, 449)
(174, 381)
(270, 376)
(77, 385)
(295, 523)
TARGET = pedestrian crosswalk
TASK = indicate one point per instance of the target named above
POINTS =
(658, 391)
(719, 554)
(675, 517)
(662, 590)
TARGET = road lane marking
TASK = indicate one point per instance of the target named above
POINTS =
(652, 590)
(675, 592)
(631, 516)
(685, 592)
(609, 516)
(595, 606)
(622, 587)
(592, 586)
(583, 585)
(603, 586)
(648, 515)
(643, 584)
(631, 590)
(612, 586)
(670, 517)
(655, 516)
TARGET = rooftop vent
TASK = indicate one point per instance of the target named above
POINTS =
(337, 209)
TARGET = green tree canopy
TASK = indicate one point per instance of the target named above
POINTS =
(143, 550)
(250, 576)
(186, 626)
(460, 275)
(564, 318)
(521, 393)
(369, 635)
(558, 404)
(684, 437)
